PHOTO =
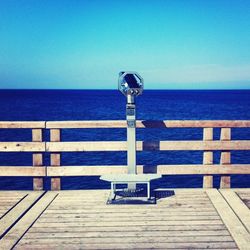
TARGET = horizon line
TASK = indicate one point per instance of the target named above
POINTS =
(118, 89)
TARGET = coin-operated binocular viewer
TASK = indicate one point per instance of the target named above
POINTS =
(131, 85)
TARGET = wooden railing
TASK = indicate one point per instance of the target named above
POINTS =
(55, 147)
(37, 147)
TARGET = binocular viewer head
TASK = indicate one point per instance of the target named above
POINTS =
(130, 83)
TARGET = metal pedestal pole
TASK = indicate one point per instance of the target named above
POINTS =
(131, 138)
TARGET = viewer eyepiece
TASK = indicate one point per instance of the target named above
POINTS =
(130, 83)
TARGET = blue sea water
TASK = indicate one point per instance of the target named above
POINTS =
(56, 105)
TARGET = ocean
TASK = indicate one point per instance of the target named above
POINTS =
(58, 105)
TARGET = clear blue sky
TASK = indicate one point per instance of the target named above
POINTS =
(84, 44)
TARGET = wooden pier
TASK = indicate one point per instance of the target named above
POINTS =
(185, 219)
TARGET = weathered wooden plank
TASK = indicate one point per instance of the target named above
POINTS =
(9, 219)
(155, 230)
(243, 195)
(116, 212)
(133, 239)
(149, 124)
(179, 191)
(145, 246)
(159, 169)
(207, 157)
(85, 146)
(22, 147)
(225, 181)
(161, 203)
(16, 232)
(234, 225)
(86, 124)
(10, 199)
(110, 234)
(22, 171)
(22, 124)
(55, 159)
(145, 145)
(37, 135)
(202, 169)
(176, 206)
(7, 203)
(238, 206)
(100, 199)
(208, 124)
(101, 218)
(242, 190)
(37, 159)
(122, 228)
(11, 193)
(125, 223)
(182, 209)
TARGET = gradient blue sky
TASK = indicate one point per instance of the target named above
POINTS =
(84, 44)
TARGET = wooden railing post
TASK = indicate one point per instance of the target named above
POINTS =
(225, 181)
(37, 159)
(55, 158)
(208, 157)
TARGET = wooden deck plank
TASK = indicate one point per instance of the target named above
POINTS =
(13, 215)
(8, 200)
(136, 213)
(19, 229)
(238, 206)
(144, 246)
(12, 194)
(244, 195)
(110, 219)
(133, 239)
(131, 233)
(133, 228)
(234, 225)
(176, 206)
(127, 223)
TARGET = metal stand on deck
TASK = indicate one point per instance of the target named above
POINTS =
(131, 85)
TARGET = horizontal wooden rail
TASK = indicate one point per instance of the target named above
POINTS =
(22, 146)
(23, 124)
(121, 146)
(22, 171)
(144, 145)
(123, 124)
(149, 124)
(51, 171)
(159, 169)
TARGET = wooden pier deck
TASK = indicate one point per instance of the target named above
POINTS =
(186, 219)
